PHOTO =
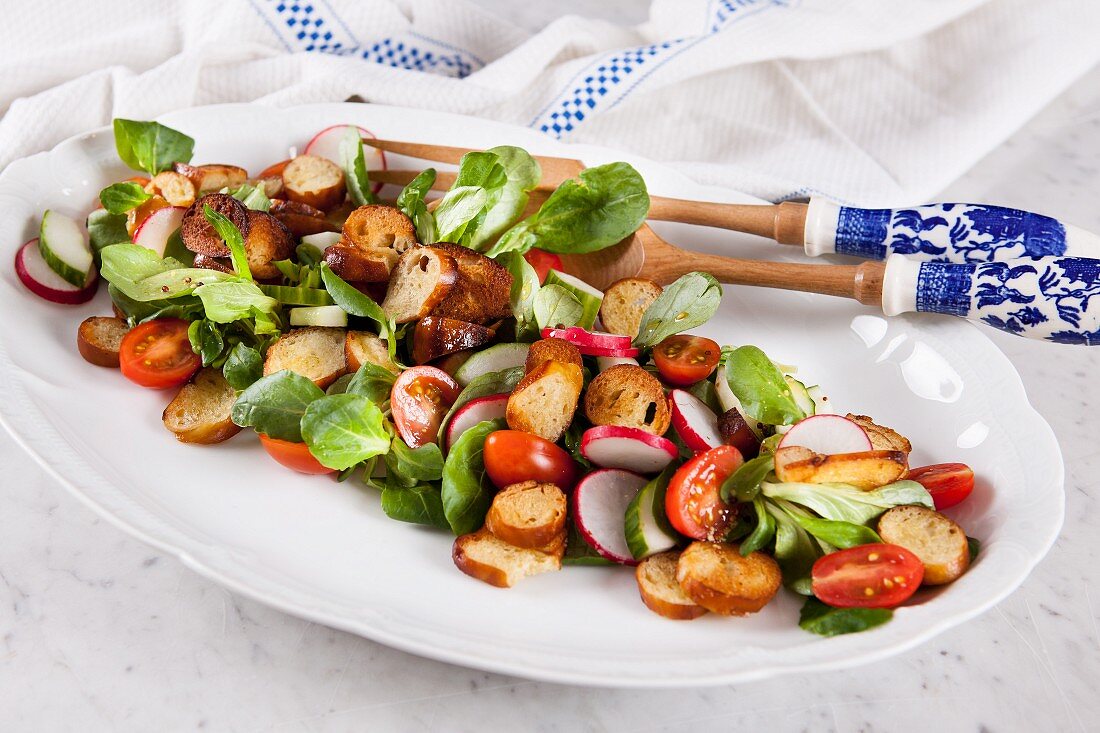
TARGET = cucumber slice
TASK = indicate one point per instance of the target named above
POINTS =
(65, 248)
(321, 239)
(493, 359)
(648, 530)
(332, 316)
(822, 405)
(291, 295)
(801, 395)
(590, 297)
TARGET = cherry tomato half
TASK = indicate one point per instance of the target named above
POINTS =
(295, 456)
(693, 502)
(948, 483)
(419, 399)
(543, 262)
(512, 456)
(158, 354)
(684, 360)
(867, 576)
(274, 170)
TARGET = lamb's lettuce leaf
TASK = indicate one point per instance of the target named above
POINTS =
(688, 302)
(344, 430)
(151, 146)
(412, 201)
(557, 307)
(274, 405)
(760, 386)
(118, 198)
(467, 491)
(354, 162)
(844, 503)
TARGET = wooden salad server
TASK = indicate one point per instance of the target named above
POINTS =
(962, 233)
(1046, 299)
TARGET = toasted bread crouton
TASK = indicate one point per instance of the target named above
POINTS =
(545, 399)
(938, 542)
(314, 181)
(268, 241)
(528, 514)
(629, 396)
(551, 350)
(481, 555)
(272, 186)
(379, 227)
(98, 340)
(720, 580)
(436, 337)
(212, 176)
(865, 470)
(220, 264)
(175, 188)
(199, 235)
(201, 412)
(420, 281)
(136, 216)
(360, 265)
(314, 352)
(482, 292)
(361, 347)
(625, 302)
(301, 219)
(661, 592)
(882, 438)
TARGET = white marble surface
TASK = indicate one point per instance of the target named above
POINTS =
(98, 632)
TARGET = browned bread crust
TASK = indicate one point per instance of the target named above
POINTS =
(314, 352)
(175, 188)
(552, 350)
(882, 437)
(630, 396)
(301, 219)
(483, 290)
(420, 281)
(361, 347)
(866, 469)
(201, 412)
(212, 176)
(314, 181)
(720, 580)
(661, 592)
(481, 555)
(436, 337)
(528, 514)
(199, 235)
(545, 399)
(625, 302)
(360, 265)
(98, 340)
(938, 541)
(379, 227)
(268, 241)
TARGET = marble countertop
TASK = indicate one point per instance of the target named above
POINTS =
(99, 632)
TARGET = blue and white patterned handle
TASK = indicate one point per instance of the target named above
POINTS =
(962, 233)
(1048, 299)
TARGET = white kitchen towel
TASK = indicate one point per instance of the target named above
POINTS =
(876, 102)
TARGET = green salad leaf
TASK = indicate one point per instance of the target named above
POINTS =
(373, 382)
(525, 286)
(764, 530)
(253, 197)
(457, 209)
(578, 551)
(343, 430)
(150, 146)
(744, 483)
(236, 300)
(137, 311)
(974, 546)
(556, 306)
(175, 249)
(233, 238)
(243, 366)
(105, 228)
(358, 304)
(467, 491)
(274, 405)
(683, 305)
(760, 386)
(818, 618)
(599, 208)
(413, 202)
(206, 340)
(483, 386)
(138, 273)
(411, 466)
(522, 173)
(118, 198)
(354, 162)
(421, 504)
(845, 503)
(838, 533)
(795, 549)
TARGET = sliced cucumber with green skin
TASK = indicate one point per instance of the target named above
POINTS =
(493, 359)
(321, 240)
(291, 295)
(822, 405)
(590, 297)
(330, 316)
(801, 396)
(64, 247)
(648, 530)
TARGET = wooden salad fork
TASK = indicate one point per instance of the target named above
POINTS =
(951, 232)
(1046, 299)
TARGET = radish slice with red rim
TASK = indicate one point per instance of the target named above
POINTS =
(326, 144)
(491, 407)
(37, 276)
(615, 446)
(600, 501)
(695, 423)
(583, 337)
(827, 434)
(158, 227)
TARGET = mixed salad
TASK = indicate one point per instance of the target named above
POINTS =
(434, 351)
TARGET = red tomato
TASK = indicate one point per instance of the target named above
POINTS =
(693, 503)
(948, 483)
(419, 399)
(867, 576)
(684, 360)
(295, 456)
(543, 262)
(274, 170)
(158, 354)
(512, 456)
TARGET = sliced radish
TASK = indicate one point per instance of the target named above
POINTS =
(326, 144)
(158, 227)
(827, 434)
(475, 411)
(615, 446)
(584, 337)
(695, 423)
(600, 501)
(45, 283)
(606, 362)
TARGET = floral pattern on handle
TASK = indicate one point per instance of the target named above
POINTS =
(1046, 299)
(949, 233)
